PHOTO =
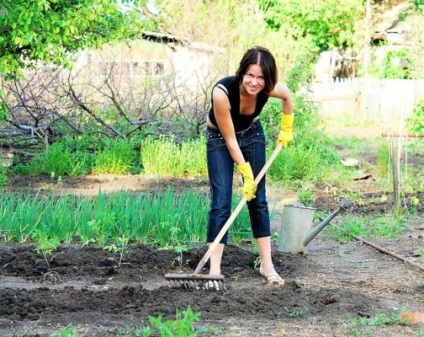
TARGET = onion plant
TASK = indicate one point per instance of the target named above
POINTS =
(166, 218)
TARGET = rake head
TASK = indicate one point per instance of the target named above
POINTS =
(196, 281)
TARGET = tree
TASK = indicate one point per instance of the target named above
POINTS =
(329, 23)
(51, 30)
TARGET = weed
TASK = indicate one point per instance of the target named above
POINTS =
(377, 320)
(182, 326)
(66, 332)
(45, 245)
(305, 196)
(117, 158)
(292, 313)
(299, 313)
(122, 242)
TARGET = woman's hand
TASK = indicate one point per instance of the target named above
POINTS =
(286, 134)
(249, 187)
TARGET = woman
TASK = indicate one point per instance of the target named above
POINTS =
(235, 135)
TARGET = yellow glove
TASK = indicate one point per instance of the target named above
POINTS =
(286, 134)
(249, 187)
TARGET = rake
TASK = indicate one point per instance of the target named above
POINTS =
(215, 282)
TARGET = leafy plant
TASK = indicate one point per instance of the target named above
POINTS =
(387, 226)
(66, 332)
(117, 158)
(67, 27)
(415, 123)
(119, 247)
(182, 326)
(377, 320)
(383, 159)
(45, 245)
(305, 196)
(185, 159)
(392, 65)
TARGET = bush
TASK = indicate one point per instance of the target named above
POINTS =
(117, 158)
(415, 123)
(165, 157)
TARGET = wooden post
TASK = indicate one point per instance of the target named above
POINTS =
(395, 157)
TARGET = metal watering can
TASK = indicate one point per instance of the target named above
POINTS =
(296, 226)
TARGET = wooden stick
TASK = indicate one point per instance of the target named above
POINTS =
(381, 249)
(388, 252)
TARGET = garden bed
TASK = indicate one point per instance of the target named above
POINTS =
(328, 291)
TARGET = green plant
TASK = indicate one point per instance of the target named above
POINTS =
(3, 176)
(392, 68)
(116, 158)
(384, 226)
(305, 196)
(383, 159)
(299, 312)
(182, 326)
(120, 246)
(66, 332)
(185, 159)
(377, 320)
(44, 245)
(415, 122)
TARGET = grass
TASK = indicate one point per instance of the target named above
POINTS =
(369, 326)
(380, 226)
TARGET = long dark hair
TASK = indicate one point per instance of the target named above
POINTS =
(262, 57)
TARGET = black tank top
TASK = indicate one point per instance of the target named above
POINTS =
(241, 122)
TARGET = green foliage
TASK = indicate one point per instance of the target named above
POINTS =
(3, 109)
(66, 26)
(66, 332)
(383, 159)
(328, 23)
(301, 72)
(117, 158)
(3, 175)
(163, 157)
(366, 227)
(377, 320)
(392, 65)
(59, 160)
(415, 123)
(181, 326)
(310, 149)
(166, 219)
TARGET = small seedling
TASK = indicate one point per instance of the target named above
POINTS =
(122, 242)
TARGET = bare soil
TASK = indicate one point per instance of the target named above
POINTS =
(331, 283)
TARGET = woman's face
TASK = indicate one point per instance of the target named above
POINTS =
(253, 81)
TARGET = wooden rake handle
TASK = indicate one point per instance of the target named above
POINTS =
(236, 211)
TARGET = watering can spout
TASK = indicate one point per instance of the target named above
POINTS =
(296, 232)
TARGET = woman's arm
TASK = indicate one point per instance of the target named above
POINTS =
(222, 110)
(284, 93)
(286, 125)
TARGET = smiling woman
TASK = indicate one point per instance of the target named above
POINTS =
(235, 136)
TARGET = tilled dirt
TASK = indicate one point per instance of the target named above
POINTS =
(84, 287)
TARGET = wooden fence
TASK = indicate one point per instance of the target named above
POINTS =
(386, 103)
